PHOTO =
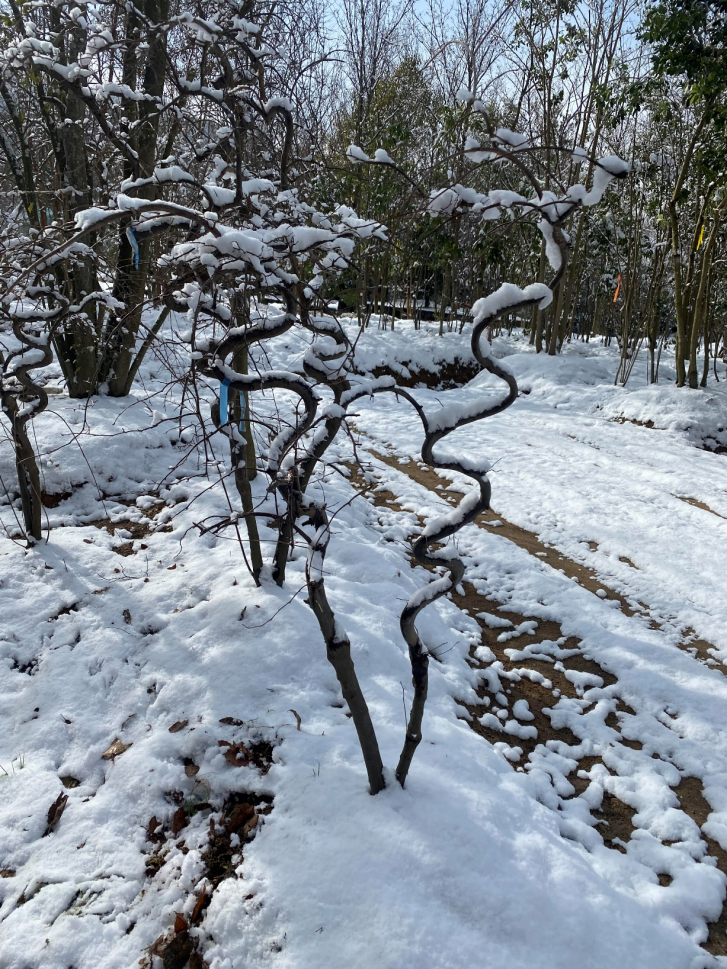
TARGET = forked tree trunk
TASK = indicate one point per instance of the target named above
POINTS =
(338, 652)
(29, 483)
(26, 466)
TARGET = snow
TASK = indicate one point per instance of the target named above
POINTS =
(512, 139)
(473, 152)
(90, 217)
(554, 208)
(282, 103)
(552, 249)
(475, 860)
(510, 295)
(521, 710)
(172, 173)
(607, 168)
(443, 201)
(383, 157)
(356, 154)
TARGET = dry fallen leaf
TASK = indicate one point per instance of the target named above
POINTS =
(198, 906)
(116, 748)
(247, 828)
(175, 951)
(241, 814)
(151, 830)
(232, 721)
(180, 924)
(127, 617)
(55, 811)
(236, 754)
(179, 820)
(179, 725)
(191, 770)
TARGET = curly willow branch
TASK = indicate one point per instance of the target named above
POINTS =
(22, 400)
(291, 477)
(445, 527)
(291, 482)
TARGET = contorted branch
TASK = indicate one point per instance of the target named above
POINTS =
(290, 474)
(553, 211)
(301, 445)
(437, 427)
(22, 400)
(506, 300)
(338, 647)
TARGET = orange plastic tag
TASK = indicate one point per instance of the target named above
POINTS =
(618, 287)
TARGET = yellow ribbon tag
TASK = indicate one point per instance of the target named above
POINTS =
(701, 236)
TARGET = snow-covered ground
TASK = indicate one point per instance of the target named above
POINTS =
(129, 622)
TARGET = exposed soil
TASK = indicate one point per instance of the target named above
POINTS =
(691, 797)
(693, 802)
(631, 420)
(230, 829)
(614, 818)
(700, 504)
(54, 499)
(700, 649)
(616, 822)
(519, 536)
(445, 377)
(137, 529)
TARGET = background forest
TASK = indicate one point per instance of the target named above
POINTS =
(646, 82)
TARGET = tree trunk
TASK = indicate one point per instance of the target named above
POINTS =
(78, 347)
(338, 652)
(132, 269)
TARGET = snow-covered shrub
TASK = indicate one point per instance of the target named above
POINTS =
(246, 257)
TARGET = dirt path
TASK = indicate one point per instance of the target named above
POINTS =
(541, 681)
(520, 536)
(588, 578)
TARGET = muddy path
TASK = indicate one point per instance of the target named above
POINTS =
(525, 666)
(587, 578)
